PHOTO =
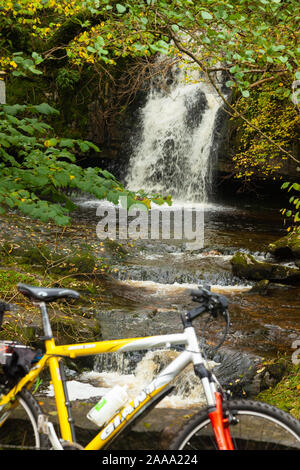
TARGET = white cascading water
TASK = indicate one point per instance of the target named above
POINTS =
(173, 155)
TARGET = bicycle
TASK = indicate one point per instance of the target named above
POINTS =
(224, 424)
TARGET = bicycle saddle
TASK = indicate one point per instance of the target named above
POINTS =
(45, 294)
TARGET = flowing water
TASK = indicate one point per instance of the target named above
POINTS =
(175, 155)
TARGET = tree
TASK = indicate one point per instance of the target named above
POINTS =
(36, 168)
(253, 43)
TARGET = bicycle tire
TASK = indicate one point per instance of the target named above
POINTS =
(19, 430)
(260, 427)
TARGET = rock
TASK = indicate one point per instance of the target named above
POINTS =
(145, 433)
(286, 247)
(261, 287)
(244, 374)
(266, 287)
(247, 267)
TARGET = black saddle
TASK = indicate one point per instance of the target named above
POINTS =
(45, 294)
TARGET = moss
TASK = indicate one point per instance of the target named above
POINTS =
(8, 280)
(286, 247)
(57, 261)
(116, 249)
(246, 266)
(70, 322)
(286, 394)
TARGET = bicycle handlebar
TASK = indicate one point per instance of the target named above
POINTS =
(212, 303)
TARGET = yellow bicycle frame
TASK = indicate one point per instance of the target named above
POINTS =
(155, 390)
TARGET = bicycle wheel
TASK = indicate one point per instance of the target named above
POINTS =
(259, 427)
(18, 425)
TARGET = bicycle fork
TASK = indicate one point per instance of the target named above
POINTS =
(214, 398)
(220, 423)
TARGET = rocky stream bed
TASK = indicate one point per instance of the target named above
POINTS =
(139, 288)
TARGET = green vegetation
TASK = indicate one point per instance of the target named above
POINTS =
(269, 110)
(44, 254)
(37, 168)
(292, 214)
(286, 394)
(60, 50)
(60, 56)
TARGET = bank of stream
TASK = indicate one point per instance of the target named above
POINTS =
(146, 289)
(150, 290)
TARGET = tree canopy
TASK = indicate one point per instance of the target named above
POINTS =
(253, 41)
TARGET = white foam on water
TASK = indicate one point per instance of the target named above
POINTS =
(79, 391)
(182, 286)
(173, 155)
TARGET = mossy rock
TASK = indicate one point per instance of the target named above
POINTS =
(286, 247)
(247, 267)
(285, 393)
(80, 261)
(116, 250)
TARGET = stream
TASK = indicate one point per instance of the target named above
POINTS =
(178, 136)
(149, 290)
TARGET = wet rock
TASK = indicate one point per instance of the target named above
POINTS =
(245, 374)
(246, 266)
(265, 287)
(144, 434)
(286, 247)
(260, 287)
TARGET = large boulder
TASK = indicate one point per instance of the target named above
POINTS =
(286, 247)
(247, 267)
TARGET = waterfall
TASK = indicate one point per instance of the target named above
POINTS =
(177, 140)
(136, 370)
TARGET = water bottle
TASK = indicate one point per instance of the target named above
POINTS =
(108, 405)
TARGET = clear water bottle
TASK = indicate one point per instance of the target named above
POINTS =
(108, 405)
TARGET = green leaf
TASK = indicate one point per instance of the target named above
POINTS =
(14, 109)
(234, 69)
(113, 197)
(296, 186)
(37, 58)
(45, 108)
(206, 16)
(120, 8)
(52, 142)
(66, 143)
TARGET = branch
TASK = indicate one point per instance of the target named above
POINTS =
(269, 79)
(231, 110)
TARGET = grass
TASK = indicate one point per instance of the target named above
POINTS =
(286, 394)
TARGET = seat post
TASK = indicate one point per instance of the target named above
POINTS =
(46, 322)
